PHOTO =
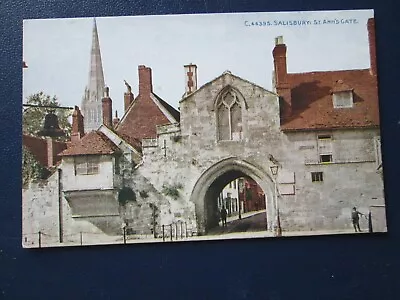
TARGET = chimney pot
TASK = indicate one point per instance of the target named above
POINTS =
(116, 119)
(128, 96)
(106, 92)
(279, 40)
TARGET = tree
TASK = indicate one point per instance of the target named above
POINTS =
(33, 117)
(31, 169)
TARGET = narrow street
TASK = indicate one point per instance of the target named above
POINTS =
(256, 222)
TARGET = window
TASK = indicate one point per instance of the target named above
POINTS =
(343, 99)
(325, 158)
(325, 148)
(229, 117)
(92, 116)
(324, 137)
(87, 165)
(96, 115)
(317, 176)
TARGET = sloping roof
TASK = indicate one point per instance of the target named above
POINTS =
(143, 115)
(38, 148)
(169, 108)
(312, 104)
(110, 132)
(93, 143)
(134, 142)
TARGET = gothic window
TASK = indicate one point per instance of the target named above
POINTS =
(229, 114)
(96, 115)
(91, 116)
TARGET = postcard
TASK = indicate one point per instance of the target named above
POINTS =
(153, 129)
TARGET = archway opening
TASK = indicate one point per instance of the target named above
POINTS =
(238, 197)
(208, 187)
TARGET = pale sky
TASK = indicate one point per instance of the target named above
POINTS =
(57, 51)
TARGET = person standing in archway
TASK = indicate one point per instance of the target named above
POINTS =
(223, 216)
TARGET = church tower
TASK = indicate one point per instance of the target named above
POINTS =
(91, 101)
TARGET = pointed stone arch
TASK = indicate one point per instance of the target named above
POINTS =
(225, 90)
(218, 176)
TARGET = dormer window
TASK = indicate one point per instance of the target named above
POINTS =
(343, 99)
(342, 95)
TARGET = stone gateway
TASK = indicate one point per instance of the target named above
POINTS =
(319, 132)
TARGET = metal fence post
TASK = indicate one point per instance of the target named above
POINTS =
(124, 232)
(81, 238)
(181, 230)
(163, 233)
(370, 229)
(170, 229)
(176, 231)
(40, 239)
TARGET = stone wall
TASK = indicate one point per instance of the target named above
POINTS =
(43, 211)
(40, 208)
(186, 167)
(167, 209)
(182, 157)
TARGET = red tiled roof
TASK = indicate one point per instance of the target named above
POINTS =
(312, 105)
(93, 143)
(143, 116)
(340, 86)
(38, 148)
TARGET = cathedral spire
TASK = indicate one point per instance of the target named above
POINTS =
(91, 103)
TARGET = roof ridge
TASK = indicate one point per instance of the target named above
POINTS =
(103, 145)
(328, 71)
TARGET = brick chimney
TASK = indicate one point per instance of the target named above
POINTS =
(107, 108)
(116, 119)
(77, 125)
(372, 45)
(128, 96)
(145, 80)
(281, 76)
(190, 79)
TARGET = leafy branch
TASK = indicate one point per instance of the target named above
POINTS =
(172, 190)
